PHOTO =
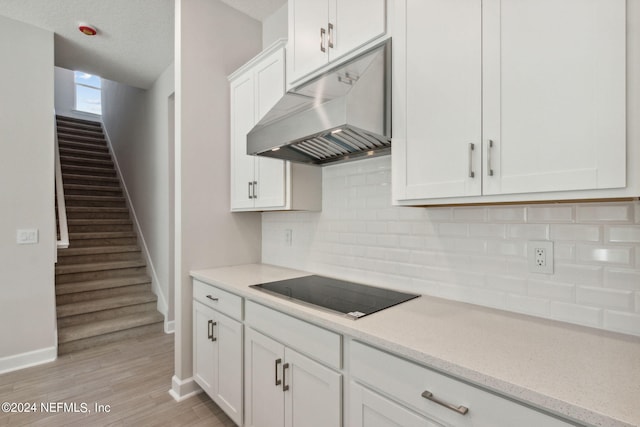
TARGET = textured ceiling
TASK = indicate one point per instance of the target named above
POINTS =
(134, 44)
(257, 9)
(135, 39)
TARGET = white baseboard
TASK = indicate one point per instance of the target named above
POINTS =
(169, 326)
(162, 305)
(183, 389)
(28, 359)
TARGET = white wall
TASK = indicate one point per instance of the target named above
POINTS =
(473, 254)
(274, 27)
(27, 290)
(137, 122)
(207, 234)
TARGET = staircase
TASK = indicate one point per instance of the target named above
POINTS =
(103, 292)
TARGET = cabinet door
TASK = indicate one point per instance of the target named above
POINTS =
(369, 409)
(228, 335)
(264, 397)
(554, 95)
(270, 173)
(314, 395)
(204, 352)
(354, 23)
(242, 120)
(308, 21)
(437, 87)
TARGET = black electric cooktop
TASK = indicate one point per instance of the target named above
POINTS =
(351, 299)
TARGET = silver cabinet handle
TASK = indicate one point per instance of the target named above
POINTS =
(459, 409)
(322, 33)
(250, 190)
(210, 329)
(472, 147)
(212, 298)
(285, 387)
(213, 324)
(278, 361)
(255, 189)
(489, 163)
(330, 38)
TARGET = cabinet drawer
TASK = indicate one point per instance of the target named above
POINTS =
(322, 345)
(223, 301)
(406, 382)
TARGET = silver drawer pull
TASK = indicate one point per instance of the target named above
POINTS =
(285, 386)
(472, 147)
(212, 298)
(322, 33)
(278, 361)
(459, 409)
(489, 162)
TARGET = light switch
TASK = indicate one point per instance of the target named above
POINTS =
(27, 236)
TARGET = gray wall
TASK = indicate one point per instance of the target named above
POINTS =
(137, 122)
(27, 290)
(207, 234)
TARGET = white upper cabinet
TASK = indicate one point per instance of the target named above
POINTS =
(321, 31)
(260, 183)
(510, 100)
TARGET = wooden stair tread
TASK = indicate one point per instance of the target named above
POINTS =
(94, 285)
(94, 162)
(70, 176)
(92, 329)
(97, 266)
(96, 209)
(100, 221)
(101, 235)
(84, 307)
(75, 152)
(98, 148)
(95, 198)
(98, 250)
(75, 120)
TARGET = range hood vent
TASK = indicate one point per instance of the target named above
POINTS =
(340, 116)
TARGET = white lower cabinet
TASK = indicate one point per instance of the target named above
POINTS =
(431, 395)
(285, 388)
(370, 409)
(217, 351)
(291, 371)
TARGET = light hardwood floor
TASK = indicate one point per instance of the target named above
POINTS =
(132, 377)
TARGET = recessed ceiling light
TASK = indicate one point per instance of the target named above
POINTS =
(87, 30)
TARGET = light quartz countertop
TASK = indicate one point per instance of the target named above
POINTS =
(584, 374)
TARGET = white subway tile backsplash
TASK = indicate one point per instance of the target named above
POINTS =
(624, 234)
(587, 275)
(604, 297)
(573, 313)
(624, 322)
(472, 254)
(470, 214)
(551, 290)
(488, 230)
(528, 305)
(576, 232)
(453, 229)
(608, 255)
(614, 212)
(508, 284)
(507, 248)
(528, 231)
(628, 279)
(563, 251)
(510, 214)
(550, 214)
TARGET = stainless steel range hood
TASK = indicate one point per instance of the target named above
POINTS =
(342, 115)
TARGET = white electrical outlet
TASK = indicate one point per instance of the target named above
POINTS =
(27, 237)
(288, 237)
(540, 253)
